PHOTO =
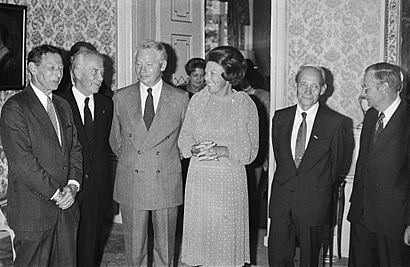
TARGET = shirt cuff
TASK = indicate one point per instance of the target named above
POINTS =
(74, 182)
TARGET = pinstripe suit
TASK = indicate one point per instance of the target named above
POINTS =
(148, 176)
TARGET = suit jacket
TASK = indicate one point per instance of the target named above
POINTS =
(307, 190)
(38, 165)
(148, 173)
(97, 156)
(381, 188)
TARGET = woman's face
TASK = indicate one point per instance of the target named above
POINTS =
(197, 78)
(213, 77)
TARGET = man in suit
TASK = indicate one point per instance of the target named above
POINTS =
(92, 113)
(380, 201)
(308, 144)
(147, 120)
(45, 166)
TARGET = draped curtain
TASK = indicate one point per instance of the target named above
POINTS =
(238, 17)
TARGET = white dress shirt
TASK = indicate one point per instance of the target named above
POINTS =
(388, 113)
(80, 99)
(156, 93)
(310, 119)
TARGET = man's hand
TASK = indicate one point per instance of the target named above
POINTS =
(407, 236)
(68, 196)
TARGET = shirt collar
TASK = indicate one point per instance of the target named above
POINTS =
(80, 97)
(41, 95)
(388, 113)
(310, 113)
(155, 89)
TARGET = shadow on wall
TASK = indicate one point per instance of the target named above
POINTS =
(171, 64)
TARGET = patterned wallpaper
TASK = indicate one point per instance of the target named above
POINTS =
(342, 36)
(62, 23)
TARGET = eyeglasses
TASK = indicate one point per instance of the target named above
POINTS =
(313, 87)
(366, 87)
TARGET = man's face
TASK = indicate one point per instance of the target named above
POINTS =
(89, 74)
(47, 74)
(149, 66)
(371, 90)
(308, 88)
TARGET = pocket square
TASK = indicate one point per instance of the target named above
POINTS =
(315, 137)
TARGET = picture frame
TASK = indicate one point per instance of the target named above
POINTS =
(12, 46)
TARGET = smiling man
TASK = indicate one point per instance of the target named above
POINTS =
(45, 166)
(147, 120)
(93, 117)
(308, 144)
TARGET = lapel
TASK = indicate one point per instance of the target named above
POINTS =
(77, 119)
(44, 120)
(161, 116)
(397, 121)
(318, 131)
(288, 131)
(136, 122)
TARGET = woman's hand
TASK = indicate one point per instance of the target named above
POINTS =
(214, 153)
(202, 148)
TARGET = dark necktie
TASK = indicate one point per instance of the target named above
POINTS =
(379, 128)
(52, 114)
(88, 121)
(301, 140)
(149, 112)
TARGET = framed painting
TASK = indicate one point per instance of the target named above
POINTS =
(12, 46)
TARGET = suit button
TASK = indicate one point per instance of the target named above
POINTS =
(65, 168)
(157, 153)
(86, 176)
(139, 152)
(129, 135)
(158, 171)
(136, 171)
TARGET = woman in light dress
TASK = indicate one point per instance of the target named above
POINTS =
(220, 135)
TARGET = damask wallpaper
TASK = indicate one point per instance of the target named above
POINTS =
(342, 36)
(62, 23)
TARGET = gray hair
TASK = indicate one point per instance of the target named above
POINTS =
(319, 70)
(156, 45)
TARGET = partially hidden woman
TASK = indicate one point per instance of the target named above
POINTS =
(195, 69)
(220, 134)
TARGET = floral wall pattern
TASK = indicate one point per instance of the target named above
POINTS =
(342, 36)
(62, 23)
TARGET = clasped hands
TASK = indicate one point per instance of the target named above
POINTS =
(208, 150)
(66, 197)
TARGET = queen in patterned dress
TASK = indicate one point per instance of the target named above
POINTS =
(220, 135)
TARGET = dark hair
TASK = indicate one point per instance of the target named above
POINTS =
(319, 70)
(194, 63)
(4, 33)
(37, 52)
(231, 60)
(389, 73)
(77, 47)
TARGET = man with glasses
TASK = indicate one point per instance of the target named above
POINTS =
(380, 201)
(309, 147)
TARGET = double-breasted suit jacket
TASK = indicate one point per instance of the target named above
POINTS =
(38, 165)
(148, 174)
(381, 188)
(307, 190)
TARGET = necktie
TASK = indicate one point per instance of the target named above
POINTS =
(52, 114)
(88, 121)
(149, 112)
(301, 140)
(379, 128)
